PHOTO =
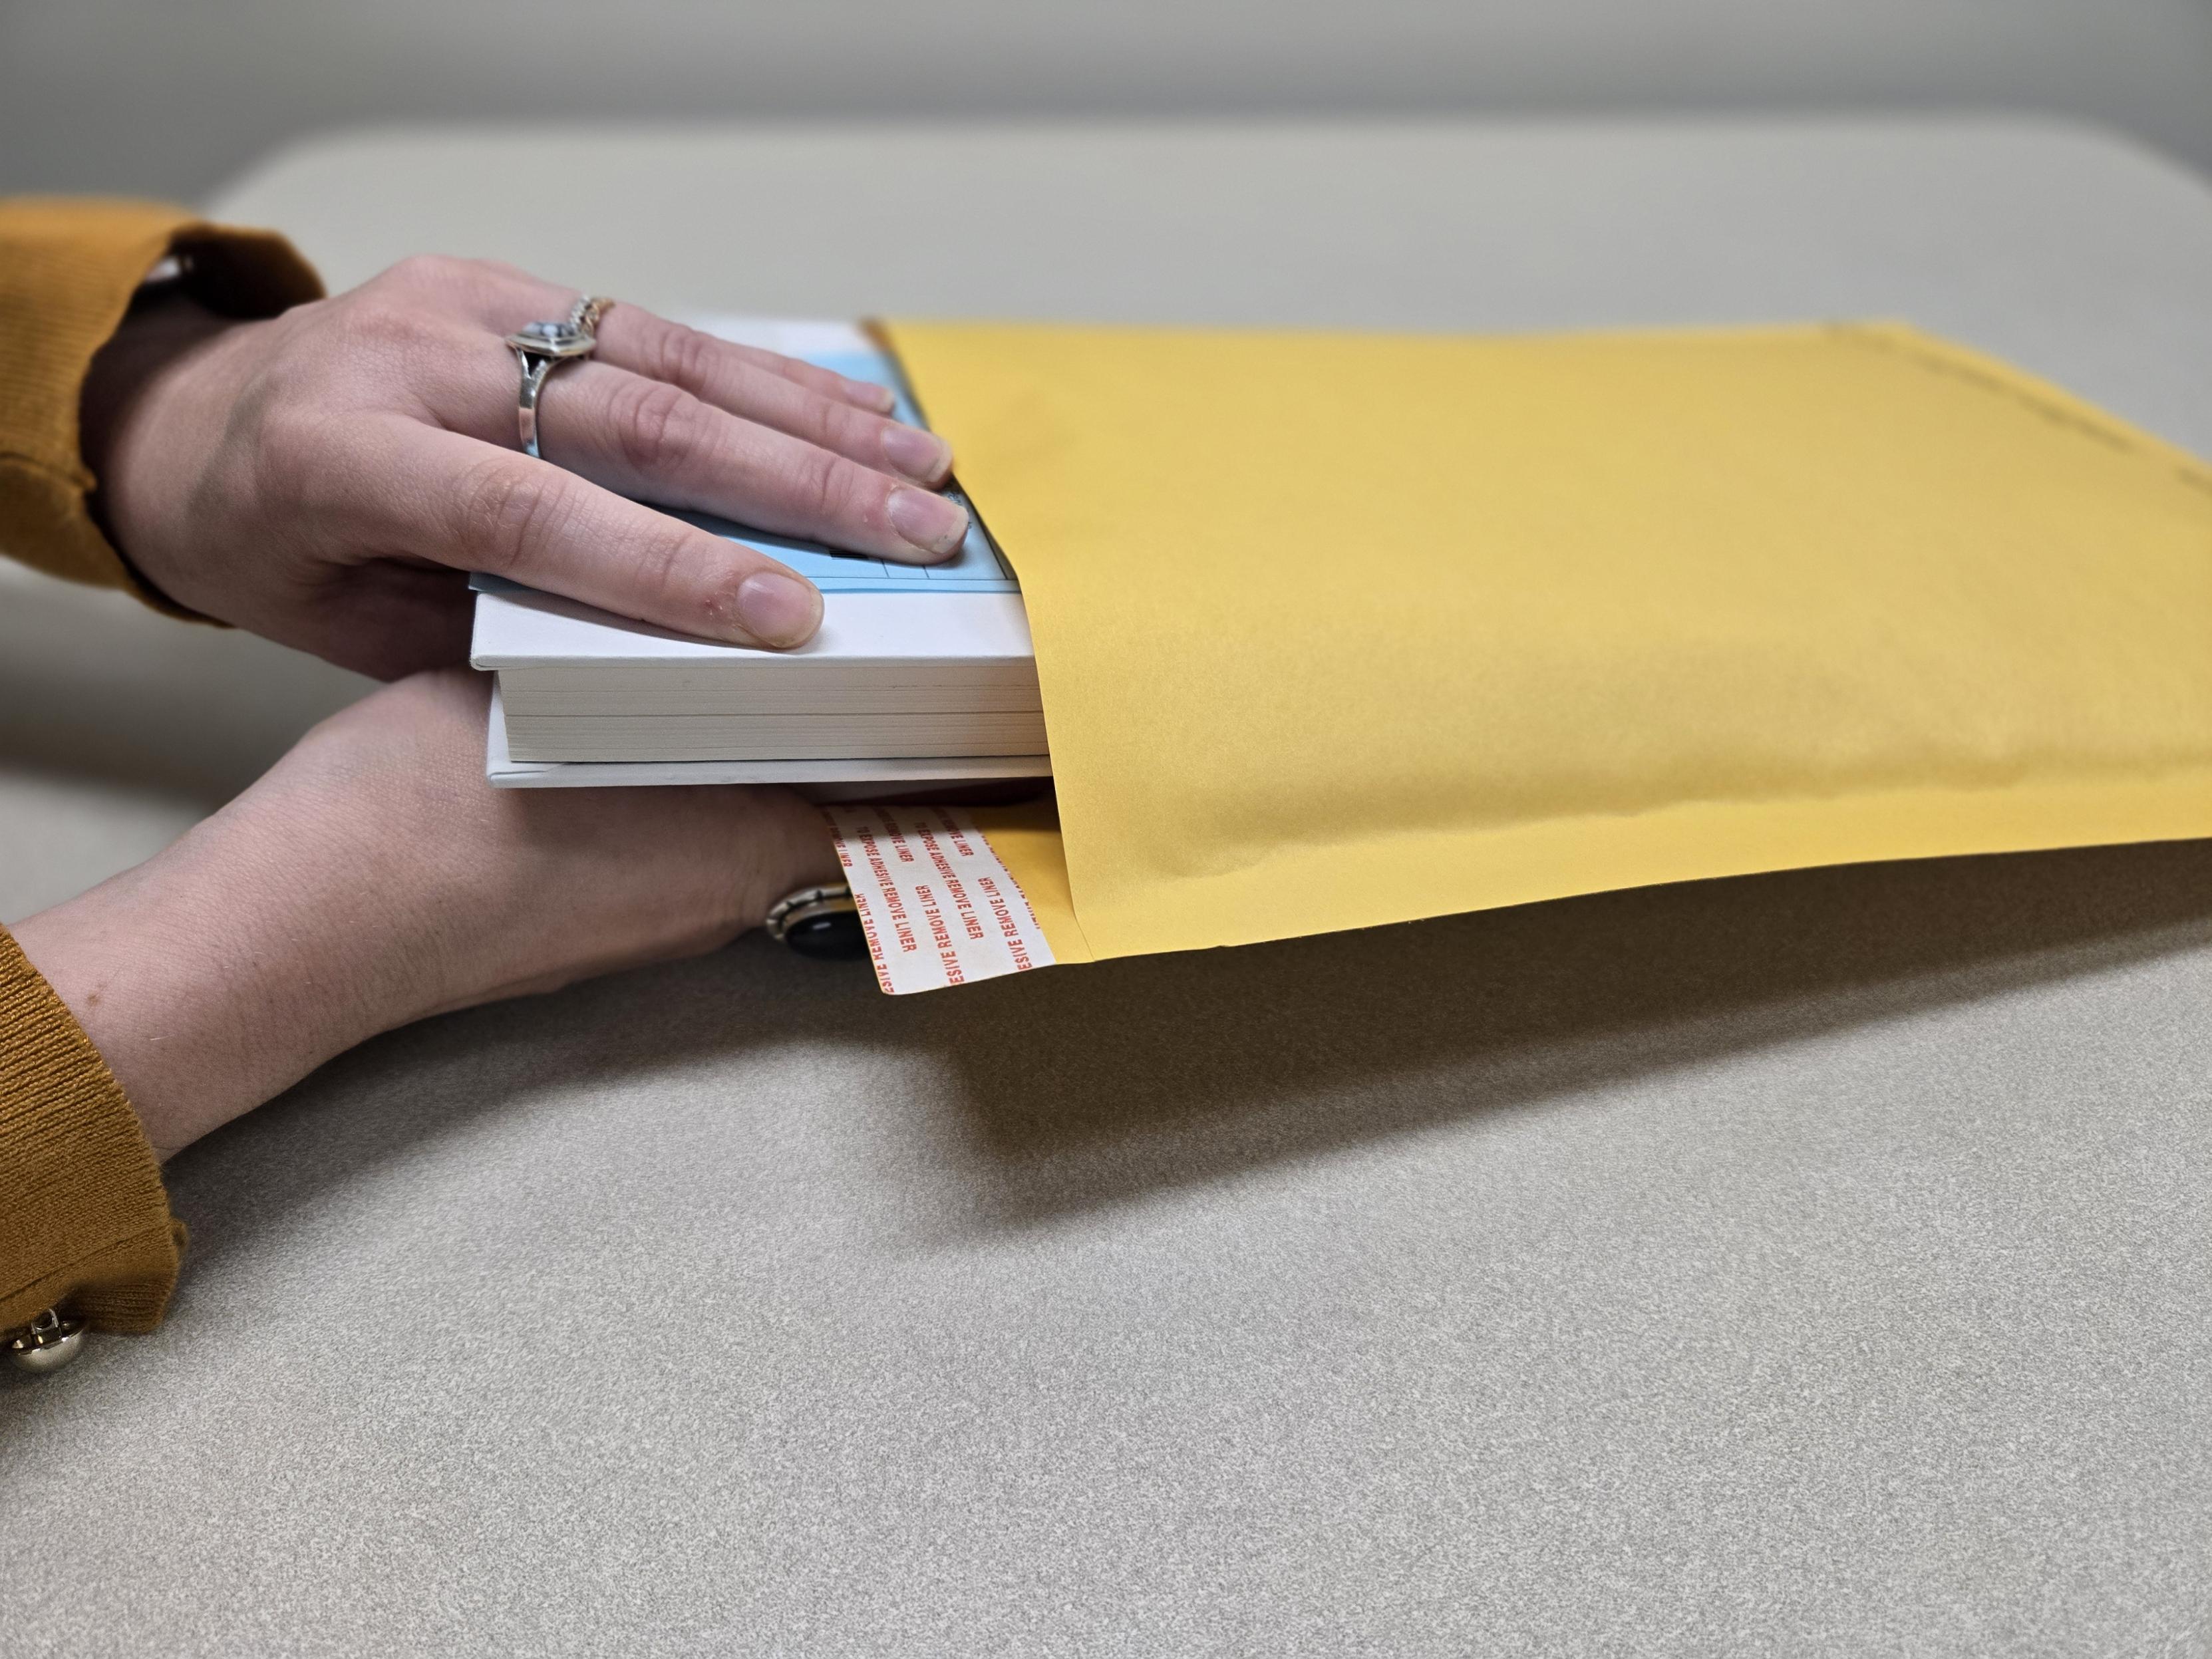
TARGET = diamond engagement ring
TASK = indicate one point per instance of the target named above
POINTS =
(541, 348)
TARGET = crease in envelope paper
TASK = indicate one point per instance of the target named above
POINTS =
(937, 905)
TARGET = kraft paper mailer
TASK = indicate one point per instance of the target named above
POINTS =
(1339, 629)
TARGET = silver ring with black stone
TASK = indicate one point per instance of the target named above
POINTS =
(822, 922)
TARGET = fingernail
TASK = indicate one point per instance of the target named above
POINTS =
(779, 608)
(869, 395)
(930, 522)
(919, 454)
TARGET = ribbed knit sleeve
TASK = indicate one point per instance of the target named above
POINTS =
(84, 1222)
(83, 1219)
(68, 270)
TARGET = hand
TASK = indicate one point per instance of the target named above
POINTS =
(324, 478)
(372, 877)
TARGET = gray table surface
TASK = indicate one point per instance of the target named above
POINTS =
(1810, 1263)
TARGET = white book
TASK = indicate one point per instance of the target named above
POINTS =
(821, 779)
(921, 674)
(889, 677)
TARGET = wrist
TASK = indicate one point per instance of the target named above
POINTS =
(162, 324)
(116, 426)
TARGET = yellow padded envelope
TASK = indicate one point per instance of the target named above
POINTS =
(1341, 629)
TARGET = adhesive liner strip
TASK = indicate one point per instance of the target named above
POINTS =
(938, 906)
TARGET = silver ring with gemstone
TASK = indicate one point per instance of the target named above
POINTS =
(822, 922)
(541, 348)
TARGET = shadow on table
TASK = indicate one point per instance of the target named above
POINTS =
(1078, 1087)
(1087, 1089)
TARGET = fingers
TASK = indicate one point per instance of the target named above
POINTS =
(650, 439)
(504, 297)
(636, 339)
(680, 418)
(776, 391)
(420, 492)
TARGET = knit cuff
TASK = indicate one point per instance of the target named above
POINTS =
(84, 1222)
(68, 270)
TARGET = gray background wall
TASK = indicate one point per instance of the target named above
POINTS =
(171, 96)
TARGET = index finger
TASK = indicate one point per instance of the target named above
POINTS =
(476, 507)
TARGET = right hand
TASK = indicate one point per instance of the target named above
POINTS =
(325, 478)
(372, 877)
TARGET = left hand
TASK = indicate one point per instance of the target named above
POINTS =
(371, 879)
(325, 478)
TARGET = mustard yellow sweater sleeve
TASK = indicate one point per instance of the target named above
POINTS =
(83, 1220)
(84, 1223)
(68, 270)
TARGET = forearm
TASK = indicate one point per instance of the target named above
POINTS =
(216, 975)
